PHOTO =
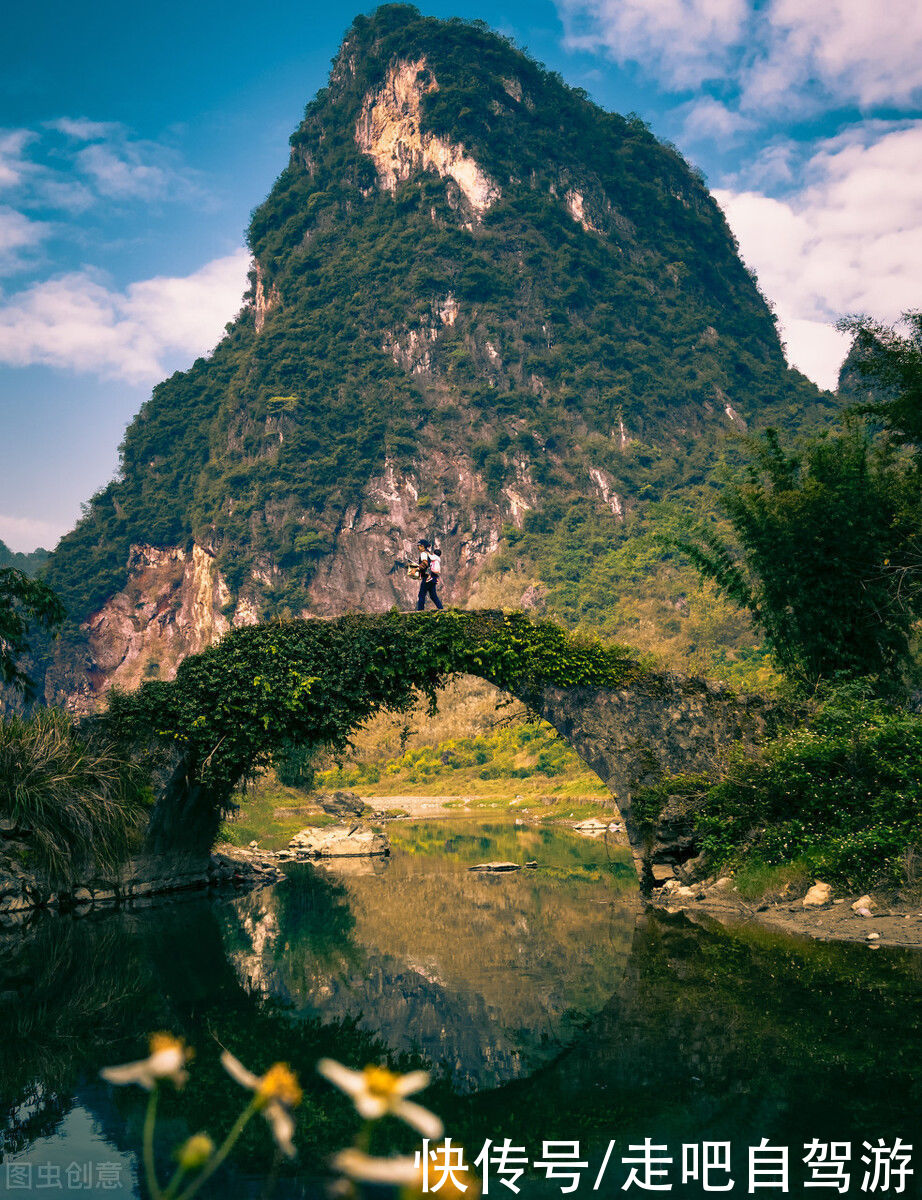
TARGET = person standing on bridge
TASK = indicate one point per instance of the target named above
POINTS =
(430, 572)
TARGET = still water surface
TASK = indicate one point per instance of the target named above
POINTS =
(546, 1003)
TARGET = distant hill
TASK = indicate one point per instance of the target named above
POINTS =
(481, 309)
(27, 563)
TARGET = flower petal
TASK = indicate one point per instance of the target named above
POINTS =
(350, 1082)
(420, 1118)
(414, 1082)
(168, 1064)
(238, 1071)
(282, 1126)
(135, 1072)
(401, 1171)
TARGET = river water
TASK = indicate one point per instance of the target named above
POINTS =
(548, 1005)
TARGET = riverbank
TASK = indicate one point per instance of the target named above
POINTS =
(883, 923)
(896, 923)
(23, 893)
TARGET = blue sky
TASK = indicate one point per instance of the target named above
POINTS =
(135, 140)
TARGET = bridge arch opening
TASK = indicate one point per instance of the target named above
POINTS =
(482, 744)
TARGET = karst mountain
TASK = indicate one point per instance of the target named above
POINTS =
(480, 308)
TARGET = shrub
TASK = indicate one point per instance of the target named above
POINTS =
(74, 798)
(844, 794)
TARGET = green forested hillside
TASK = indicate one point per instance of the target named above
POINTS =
(629, 342)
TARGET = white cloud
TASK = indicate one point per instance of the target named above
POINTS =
(814, 348)
(83, 130)
(13, 166)
(708, 119)
(25, 533)
(849, 240)
(68, 196)
(71, 163)
(77, 323)
(847, 50)
(781, 57)
(687, 40)
(18, 234)
(121, 172)
(120, 167)
(776, 166)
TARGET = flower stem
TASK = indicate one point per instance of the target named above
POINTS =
(363, 1137)
(178, 1176)
(225, 1148)
(150, 1170)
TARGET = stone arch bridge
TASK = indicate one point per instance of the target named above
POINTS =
(312, 682)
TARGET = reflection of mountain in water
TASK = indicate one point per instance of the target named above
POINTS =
(488, 975)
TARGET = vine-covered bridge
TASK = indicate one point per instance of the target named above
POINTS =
(248, 698)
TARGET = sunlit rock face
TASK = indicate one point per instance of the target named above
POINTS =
(389, 131)
(174, 603)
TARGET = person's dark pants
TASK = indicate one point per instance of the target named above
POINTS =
(427, 588)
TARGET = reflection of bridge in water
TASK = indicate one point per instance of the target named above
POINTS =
(700, 1033)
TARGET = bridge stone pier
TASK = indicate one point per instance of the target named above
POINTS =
(662, 724)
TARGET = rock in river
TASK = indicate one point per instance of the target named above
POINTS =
(339, 841)
(341, 804)
(592, 826)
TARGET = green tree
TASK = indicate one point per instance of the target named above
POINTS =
(891, 362)
(24, 603)
(826, 541)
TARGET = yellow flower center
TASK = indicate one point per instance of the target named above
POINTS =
(280, 1083)
(381, 1082)
(166, 1041)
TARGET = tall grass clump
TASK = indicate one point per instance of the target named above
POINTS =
(73, 798)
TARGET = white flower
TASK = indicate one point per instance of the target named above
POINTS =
(277, 1092)
(168, 1056)
(377, 1092)
(403, 1173)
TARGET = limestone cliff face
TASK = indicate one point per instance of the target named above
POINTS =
(389, 131)
(176, 601)
(263, 301)
(384, 528)
(173, 605)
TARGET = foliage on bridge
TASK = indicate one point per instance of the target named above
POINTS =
(260, 689)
